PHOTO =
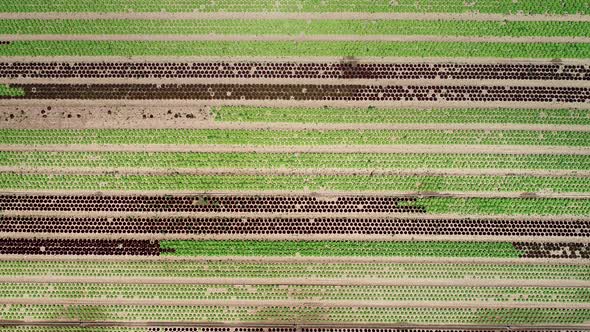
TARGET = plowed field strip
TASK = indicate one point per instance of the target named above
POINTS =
(419, 205)
(307, 228)
(389, 93)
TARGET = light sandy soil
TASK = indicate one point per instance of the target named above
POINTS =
(53, 116)
(302, 281)
(302, 260)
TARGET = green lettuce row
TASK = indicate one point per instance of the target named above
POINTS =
(295, 27)
(402, 6)
(295, 292)
(233, 269)
(122, 313)
(295, 137)
(296, 48)
(373, 115)
(405, 183)
(170, 160)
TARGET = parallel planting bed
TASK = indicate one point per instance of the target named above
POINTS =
(294, 166)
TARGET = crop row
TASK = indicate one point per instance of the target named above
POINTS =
(403, 6)
(299, 204)
(293, 292)
(296, 27)
(295, 137)
(407, 183)
(339, 248)
(299, 226)
(523, 316)
(171, 160)
(236, 269)
(296, 48)
(286, 70)
(374, 115)
(301, 92)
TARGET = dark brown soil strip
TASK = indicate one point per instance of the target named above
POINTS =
(291, 70)
(553, 250)
(310, 92)
(229, 203)
(300, 226)
(78, 247)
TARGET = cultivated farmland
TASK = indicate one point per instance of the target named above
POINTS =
(294, 166)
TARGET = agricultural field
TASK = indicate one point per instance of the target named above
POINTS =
(294, 166)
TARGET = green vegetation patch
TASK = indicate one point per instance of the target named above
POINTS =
(245, 160)
(293, 137)
(296, 292)
(296, 48)
(400, 6)
(375, 115)
(8, 91)
(253, 269)
(504, 206)
(339, 248)
(386, 183)
(73, 312)
(296, 27)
